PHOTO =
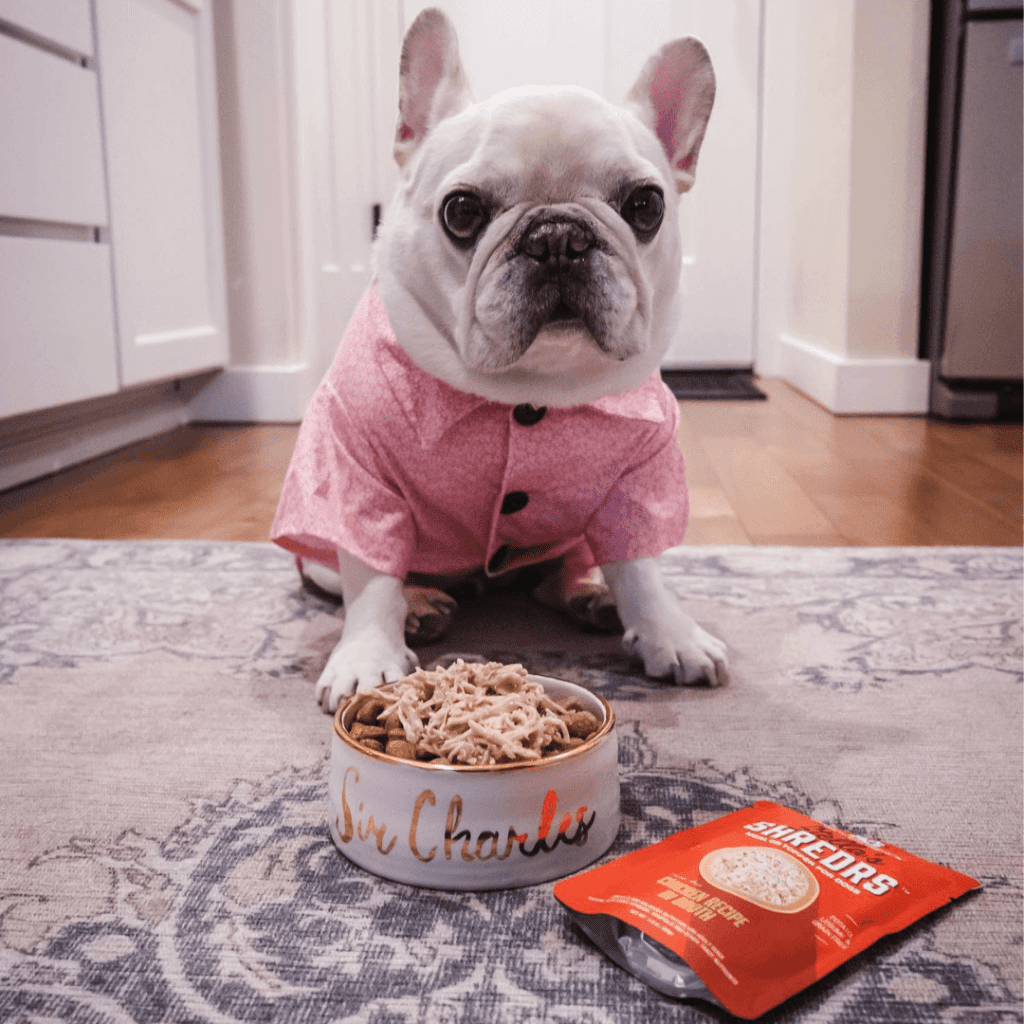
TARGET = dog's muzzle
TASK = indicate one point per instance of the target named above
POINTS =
(558, 268)
(556, 271)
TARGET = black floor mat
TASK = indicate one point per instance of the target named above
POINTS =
(712, 384)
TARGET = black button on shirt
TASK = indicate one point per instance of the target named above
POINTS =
(527, 415)
(514, 501)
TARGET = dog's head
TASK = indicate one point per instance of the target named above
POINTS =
(532, 251)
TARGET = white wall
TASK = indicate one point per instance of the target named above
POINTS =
(271, 372)
(300, 167)
(888, 165)
(805, 173)
(843, 153)
(254, 91)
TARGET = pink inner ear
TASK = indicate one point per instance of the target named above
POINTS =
(425, 74)
(405, 133)
(666, 91)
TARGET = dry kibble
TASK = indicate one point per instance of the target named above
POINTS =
(368, 711)
(401, 748)
(360, 731)
(372, 744)
(581, 723)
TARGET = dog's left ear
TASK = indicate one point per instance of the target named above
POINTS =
(673, 96)
(432, 84)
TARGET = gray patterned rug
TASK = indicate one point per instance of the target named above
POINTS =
(164, 854)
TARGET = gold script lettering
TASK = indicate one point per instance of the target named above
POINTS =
(349, 832)
(371, 828)
(513, 838)
(450, 835)
(481, 840)
(362, 829)
(423, 798)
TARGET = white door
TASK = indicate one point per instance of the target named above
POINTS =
(602, 45)
(159, 117)
(347, 95)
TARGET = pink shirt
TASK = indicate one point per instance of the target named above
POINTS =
(410, 475)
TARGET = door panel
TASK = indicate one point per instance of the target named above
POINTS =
(159, 113)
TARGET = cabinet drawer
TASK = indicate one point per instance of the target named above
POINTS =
(51, 159)
(65, 22)
(57, 343)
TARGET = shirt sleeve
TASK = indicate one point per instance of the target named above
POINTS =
(335, 497)
(647, 509)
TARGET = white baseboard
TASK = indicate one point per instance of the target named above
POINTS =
(855, 386)
(255, 394)
(35, 445)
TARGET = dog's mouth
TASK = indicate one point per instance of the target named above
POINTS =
(572, 311)
(562, 313)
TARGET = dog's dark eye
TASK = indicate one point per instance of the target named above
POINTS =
(643, 211)
(464, 217)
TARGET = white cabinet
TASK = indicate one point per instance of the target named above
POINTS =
(58, 323)
(57, 338)
(52, 163)
(64, 23)
(111, 251)
(159, 113)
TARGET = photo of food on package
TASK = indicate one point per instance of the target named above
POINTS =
(750, 909)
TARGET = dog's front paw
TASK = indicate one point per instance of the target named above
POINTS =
(672, 644)
(362, 663)
(430, 614)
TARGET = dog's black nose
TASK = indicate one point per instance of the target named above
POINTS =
(561, 240)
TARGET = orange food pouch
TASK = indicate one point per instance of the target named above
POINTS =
(748, 910)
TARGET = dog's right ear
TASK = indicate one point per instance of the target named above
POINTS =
(432, 84)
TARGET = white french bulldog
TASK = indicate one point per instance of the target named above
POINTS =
(530, 261)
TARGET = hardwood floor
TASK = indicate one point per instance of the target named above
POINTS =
(207, 482)
(782, 472)
(786, 471)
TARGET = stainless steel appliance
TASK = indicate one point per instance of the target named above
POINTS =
(972, 328)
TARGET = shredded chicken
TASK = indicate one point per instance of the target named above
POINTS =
(477, 714)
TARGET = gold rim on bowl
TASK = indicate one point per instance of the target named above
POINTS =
(605, 728)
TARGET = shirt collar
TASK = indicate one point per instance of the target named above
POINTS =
(644, 402)
(432, 407)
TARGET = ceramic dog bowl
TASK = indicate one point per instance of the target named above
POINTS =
(471, 827)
